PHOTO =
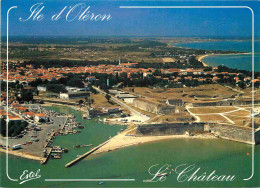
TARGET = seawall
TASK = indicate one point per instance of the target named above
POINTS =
(224, 131)
(153, 107)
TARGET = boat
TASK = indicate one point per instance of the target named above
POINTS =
(65, 150)
(81, 127)
(77, 146)
(82, 145)
(56, 156)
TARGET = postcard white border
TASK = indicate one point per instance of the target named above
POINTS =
(143, 7)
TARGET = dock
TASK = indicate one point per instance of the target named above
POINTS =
(48, 153)
(49, 149)
(85, 154)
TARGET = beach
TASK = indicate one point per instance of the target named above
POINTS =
(201, 57)
(25, 155)
(127, 138)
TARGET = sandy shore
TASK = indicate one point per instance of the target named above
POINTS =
(22, 154)
(125, 139)
(201, 57)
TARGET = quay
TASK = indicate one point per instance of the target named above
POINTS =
(49, 149)
(85, 154)
(48, 153)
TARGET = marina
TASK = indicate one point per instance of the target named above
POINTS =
(130, 159)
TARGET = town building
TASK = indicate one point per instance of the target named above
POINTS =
(41, 117)
(73, 95)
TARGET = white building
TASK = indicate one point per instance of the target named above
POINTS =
(74, 95)
(39, 117)
(41, 88)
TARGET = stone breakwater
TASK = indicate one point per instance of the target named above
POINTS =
(224, 131)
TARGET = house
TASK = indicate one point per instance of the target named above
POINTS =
(41, 88)
(41, 117)
(175, 102)
(14, 118)
(3, 114)
(111, 110)
(20, 109)
(73, 95)
(13, 105)
(123, 95)
(75, 89)
(91, 78)
(29, 114)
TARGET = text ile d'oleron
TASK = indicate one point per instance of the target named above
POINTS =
(78, 12)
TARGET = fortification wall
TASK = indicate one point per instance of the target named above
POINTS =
(168, 129)
(225, 103)
(229, 132)
(153, 107)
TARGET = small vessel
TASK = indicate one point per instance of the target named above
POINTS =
(82, 145)
(57, 157)
(65, 150)
(81, 127)
(100, 183)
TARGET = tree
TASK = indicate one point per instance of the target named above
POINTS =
(81, 102)
(22, 73)
(208, 69)
(242, 84)
(108, 97)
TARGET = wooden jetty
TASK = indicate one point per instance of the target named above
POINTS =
(85, 154)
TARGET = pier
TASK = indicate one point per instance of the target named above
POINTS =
(85, 154)
(48, 153)
(49, 142)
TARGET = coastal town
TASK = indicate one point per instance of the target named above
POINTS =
(169, 93)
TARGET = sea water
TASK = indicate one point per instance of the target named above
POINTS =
(243, 62)
(225, 157)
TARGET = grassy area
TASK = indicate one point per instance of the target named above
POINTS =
(202, 93)
(240, 113)
(214, 117)
(238, 120)
(208, 110)
(177, 117)
(101, 101)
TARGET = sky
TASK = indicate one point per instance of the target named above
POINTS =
(133, 22)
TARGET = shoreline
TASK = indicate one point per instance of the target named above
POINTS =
(21, 154)
(151, 139)
(119, 141)
(123, 140)
(201, 57)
